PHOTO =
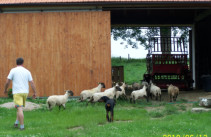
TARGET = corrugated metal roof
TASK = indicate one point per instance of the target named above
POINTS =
(90, 1)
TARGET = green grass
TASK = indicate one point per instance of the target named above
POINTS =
(130, 120)
(133, 68)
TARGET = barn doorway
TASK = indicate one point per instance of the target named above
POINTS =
(172, 45)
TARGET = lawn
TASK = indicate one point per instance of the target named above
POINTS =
(143, 119)
(133, 68)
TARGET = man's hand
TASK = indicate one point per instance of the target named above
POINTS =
(34, 96)
(6, 86)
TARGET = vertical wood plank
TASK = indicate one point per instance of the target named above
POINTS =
(69, 50)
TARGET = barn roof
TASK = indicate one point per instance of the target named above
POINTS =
(98, 1)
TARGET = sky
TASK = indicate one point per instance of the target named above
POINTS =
(118, 50)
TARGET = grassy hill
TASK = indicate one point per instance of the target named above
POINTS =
(133, 68)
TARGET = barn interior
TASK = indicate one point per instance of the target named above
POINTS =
(187, 14)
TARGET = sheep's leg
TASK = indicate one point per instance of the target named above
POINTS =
(87, 103)
(125, 97)
(134, 101)
(170, 98)
(49, 106)
(160, 97)
(63, 106)
(107, 117)
(117, 96)
(176, 97)
(151, 95)
(156, 97)
(146, 98)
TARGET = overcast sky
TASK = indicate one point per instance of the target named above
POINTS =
(118, 50)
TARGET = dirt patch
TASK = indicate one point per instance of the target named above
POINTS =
(189, 96)
(29, 106)
(154, 108)
(126, 121)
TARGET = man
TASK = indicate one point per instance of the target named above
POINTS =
(20, 77)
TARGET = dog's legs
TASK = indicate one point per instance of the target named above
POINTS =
(107, 117)
(112, 116)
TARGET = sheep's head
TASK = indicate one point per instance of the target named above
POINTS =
(168, 85)
(102, 85)
(144, 83)
(117, 88)
(69, 92)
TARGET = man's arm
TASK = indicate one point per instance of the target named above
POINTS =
(6, 85)
(33, 88)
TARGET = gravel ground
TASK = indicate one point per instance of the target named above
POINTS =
(190, 96)
(29, 106)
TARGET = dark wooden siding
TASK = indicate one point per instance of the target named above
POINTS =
(63, 50)
(203, 49)
(117, 74)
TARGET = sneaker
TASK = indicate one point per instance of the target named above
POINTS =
(22, 129)
(15, 125)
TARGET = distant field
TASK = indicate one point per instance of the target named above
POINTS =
(133, 68)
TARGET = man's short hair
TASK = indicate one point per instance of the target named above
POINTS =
(19, 61)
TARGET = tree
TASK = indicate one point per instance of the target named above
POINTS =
(135, 36)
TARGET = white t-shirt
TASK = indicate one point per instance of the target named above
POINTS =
(20, 77)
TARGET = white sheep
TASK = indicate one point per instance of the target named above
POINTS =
(136, 94)
(108, 92)
(121, 93)
(155, 91)
(85, 94)
(173, 92)
(59, 100)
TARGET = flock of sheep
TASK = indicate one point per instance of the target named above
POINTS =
(146, 90)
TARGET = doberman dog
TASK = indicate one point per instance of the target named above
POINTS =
(109, 106)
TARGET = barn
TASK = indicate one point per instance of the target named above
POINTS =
(66, 43)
